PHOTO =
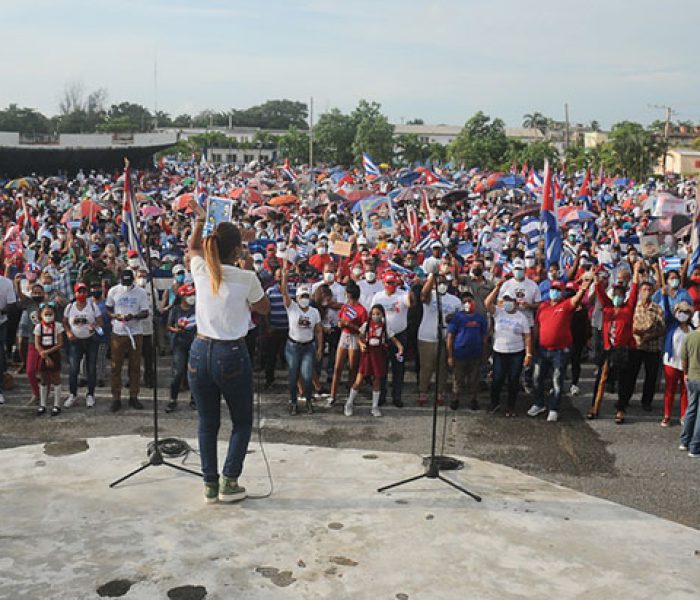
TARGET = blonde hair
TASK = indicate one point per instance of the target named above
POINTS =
(224, 241)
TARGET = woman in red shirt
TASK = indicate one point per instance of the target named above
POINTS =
(351, 316)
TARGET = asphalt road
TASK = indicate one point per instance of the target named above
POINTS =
(636, 464)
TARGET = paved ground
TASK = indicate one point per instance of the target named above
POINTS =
(636, 464)
(325, 533)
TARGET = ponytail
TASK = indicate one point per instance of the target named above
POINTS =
(213, 260)
(225, 241)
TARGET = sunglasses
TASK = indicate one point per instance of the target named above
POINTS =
(44, 305)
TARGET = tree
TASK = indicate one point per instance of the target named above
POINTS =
(162, 119)
(637, 149)
(127, 116)
(595, 125)
(80, 113)
(415, 122)
(24, 120)
(373, 132)
(536, 120)
(411, 150)
(273, 114)
(183, 120)
(294, 145)
(334, 135)
(481, 143)
(536, 153)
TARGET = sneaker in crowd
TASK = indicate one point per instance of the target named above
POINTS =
(55, 411)
(375, 412)
(553, 416)
(330, 402)
(2, 399)
(348, 409)
(683, 448)
(230, 491)
(694, 454)
(90, 401)
(171, 406)
(574, 390)
(70, 401)
(535, 410)
(40, 411)
(211, 493)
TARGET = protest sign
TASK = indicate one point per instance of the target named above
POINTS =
(219, 210)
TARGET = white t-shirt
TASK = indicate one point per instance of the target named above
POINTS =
(367, 292)
(338, 291)
(427, 332)
(523, 291)
(7, 296)
(302, 324)
(226, 315)
(396, 308)
(509, 330)
(675, 361)
(49, 339)
(124, 301)
(82, 322)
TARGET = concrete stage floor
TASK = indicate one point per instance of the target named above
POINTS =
(325, 533)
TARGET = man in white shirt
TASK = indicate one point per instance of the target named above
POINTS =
(428, 334)
(396, 305)
(369, 286)
(8, 299)
(127, 306)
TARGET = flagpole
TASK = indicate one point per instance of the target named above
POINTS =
(311, 135)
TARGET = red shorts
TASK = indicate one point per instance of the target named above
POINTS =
(373, 362)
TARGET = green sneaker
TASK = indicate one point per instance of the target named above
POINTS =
(230, 491)
(211, 492)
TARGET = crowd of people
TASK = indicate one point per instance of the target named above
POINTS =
(459, 283)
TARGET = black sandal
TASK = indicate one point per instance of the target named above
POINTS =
(40, 411)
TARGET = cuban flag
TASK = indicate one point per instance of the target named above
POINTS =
(425, 243)
(199, 192)
(530, 226)
(287, 171)
(369, 166)
(548, 216)
(533, 181)
(347, 312)
(523, 171)
(695, 239)
(432, 178)
(585, 189)
(399, 269)
(670, 263)
(130, 233)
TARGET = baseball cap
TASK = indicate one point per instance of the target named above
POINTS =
(518, 263)
(362, 241)
(178, 269)
(436, 245)
(303, 290)
(390, 277)
(132, 254)
(557, 285)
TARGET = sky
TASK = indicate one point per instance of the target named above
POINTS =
(438, 60)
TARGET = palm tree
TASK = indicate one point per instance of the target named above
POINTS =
(595, 125)
(536, 120)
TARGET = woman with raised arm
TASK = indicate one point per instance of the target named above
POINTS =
(219, 363)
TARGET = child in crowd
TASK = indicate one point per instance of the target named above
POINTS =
(48, 341)
(374, 338)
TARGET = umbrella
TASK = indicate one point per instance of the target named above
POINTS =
(181, 202)
(684, 231)
(261, 211)
(187, 181)
(152, 211)
(22, 182)
(248, 194)
(85, 209)
(53, 181)
(282, 200)
(526, 211)
(456, 195)
(355, 195)
(576, 216)
(511, 181)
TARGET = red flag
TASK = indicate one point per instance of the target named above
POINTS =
(523, 171)
(585, 189)
(413, 225)
(547, 196)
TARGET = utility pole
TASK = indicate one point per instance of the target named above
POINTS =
(155, 89)
(667, 129)
(566, 132)
(311, 135)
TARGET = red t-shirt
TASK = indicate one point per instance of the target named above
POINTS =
(694, 291)
(617, 322)
(355, 314)
(318, 261)
(554, 321)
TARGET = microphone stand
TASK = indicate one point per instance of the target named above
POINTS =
(155, 457)
(435, 461)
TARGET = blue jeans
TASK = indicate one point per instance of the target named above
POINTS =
(77, 349)
(181, 351)
(554, 360)
(398, 369)
(691, 428)
(300, 361)
(219, 368)
(3, 342)
(506, 365)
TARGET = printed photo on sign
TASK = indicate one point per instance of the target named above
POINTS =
(219, 210)
(378, 216)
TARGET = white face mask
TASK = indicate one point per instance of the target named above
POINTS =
(529, 262)
(258, 267)
(683, 317)
(357, 272)
(442, 288)
(141, 281)
(321, 250)
(303, 302)
(371, 276)
(48, 319)
(329, 277)
(190, 300)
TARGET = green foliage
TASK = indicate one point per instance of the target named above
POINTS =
(294, 145)
(536, 153)
(411, 149)
(273, 114)
(481, 143)
(183, 120)
(333, 135)
(24, 120)
(536, 120)
(373, 132)
(636, 149)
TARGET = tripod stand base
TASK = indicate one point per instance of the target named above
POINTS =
(432, 472)
(445, 463)
(155, 459)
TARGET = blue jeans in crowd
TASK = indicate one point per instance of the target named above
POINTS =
(77, 349)
(398, 369)
(181, 351)
(690, 436)
(3, 342)
(220, 368)
(554, 361)
(300, 361)
(506, 366)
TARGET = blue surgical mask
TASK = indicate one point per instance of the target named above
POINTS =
(618, 301)
(509, 306)
(519, 274)
(48, 288)
(180, 277)
(555, 295)
(674, 283)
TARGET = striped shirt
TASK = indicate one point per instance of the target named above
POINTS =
(278, 312)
